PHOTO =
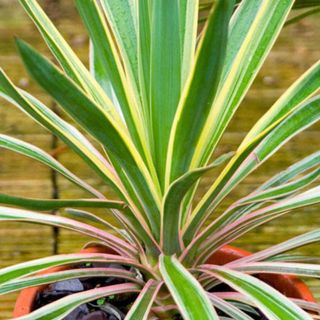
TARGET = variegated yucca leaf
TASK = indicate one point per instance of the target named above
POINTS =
(164, 81)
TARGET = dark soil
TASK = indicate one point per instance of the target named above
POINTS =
(109, 308)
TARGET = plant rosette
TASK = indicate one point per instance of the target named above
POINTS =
(290, 286)
(164, 81)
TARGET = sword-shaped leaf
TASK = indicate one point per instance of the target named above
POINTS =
(172, 206)
(51, 204)
(253, 30)
(66, 57)
(36, 153)
(11, 214)
(165, 76)
(234, 230)
(187, 292)
(141, 307)
(61, 308)
(98, 124)
(199, 93)
(19, 284)
(106, 52)
(270, 301)
(249, 158)
(67, 133)
(24, 269)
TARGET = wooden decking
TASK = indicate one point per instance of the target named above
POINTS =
(296, 49)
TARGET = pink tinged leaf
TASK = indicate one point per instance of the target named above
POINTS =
(120, 246)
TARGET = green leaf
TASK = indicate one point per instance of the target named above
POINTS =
(19, 284)
(248, 159)
(141, 307)
(186, 291)
(296, 242)
(67, 133)
(253, 30)
(59, 309)
(228, 308)
(298, 269)
(301, 90)
(117, 244)
(171, 210)
(51, 204)
(66, 57)
(106, 52)
(188, 31)
(199, 93)
(92, 118)
(272, 303)
(36, 153)
(121, 15)
(12, 273)
(282, 190)
(233, 231)
(165, 76)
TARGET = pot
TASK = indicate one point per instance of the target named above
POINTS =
(291, 286)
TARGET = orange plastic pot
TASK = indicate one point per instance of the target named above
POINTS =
(291, 286)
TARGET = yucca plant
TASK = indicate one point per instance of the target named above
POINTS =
(160, 93)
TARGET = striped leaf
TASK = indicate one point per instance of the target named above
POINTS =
(234, 230)
(98, 124)
(299, 92)
(282, 190)
(228, 308)
(106, 52)
(121, 16)
(19, 284)
(67, 133)
(294, 243)
(253, 30)
(51, 204)
(67, 58)
(298, 269)
(36, 153)
(199, 93)
(141, 307)
(61, 308)
(248, 159)
(272, 303)
(172, 205)
(186, 291)
(10, 214)
(188, 35)
(24, 269)
(144, 45)
(165, 76)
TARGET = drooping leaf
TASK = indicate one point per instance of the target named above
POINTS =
(248, 159)
(24, 269)
(59, 309)
(51, 204)
(270, 301)
(36, 153)
(19, 284)
(67, 133)
(10, 214)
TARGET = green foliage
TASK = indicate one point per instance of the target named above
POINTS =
(157, 99)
